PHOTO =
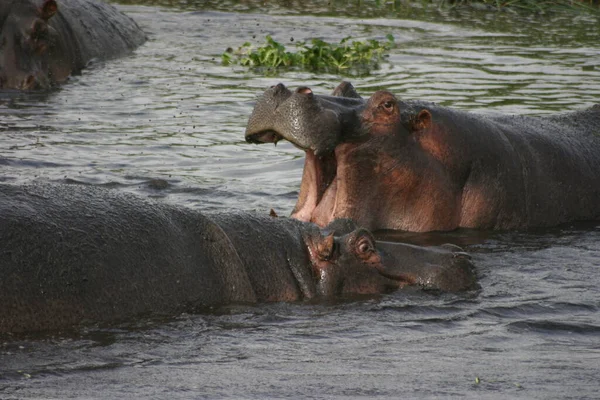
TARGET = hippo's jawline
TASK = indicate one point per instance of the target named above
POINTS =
(319, 189)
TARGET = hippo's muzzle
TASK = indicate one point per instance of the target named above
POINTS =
(309, 121)
(447, 268)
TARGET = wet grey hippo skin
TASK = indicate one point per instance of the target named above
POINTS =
(417, 166)
(43, 42)
(73, 254)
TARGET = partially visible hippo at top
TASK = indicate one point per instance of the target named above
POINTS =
(43, 42)
(74, 254)
(417, 166)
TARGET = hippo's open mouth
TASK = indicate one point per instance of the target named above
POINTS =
(319, 188)
(318, 125)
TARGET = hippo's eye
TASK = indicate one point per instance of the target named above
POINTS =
(388, 106)
(364, 246)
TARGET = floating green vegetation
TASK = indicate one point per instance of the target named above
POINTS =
(534, 5)
(348, 57)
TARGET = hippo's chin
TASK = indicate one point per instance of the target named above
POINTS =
(318, 193)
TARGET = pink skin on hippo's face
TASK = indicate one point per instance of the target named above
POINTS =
(380, 173)
(383, 177)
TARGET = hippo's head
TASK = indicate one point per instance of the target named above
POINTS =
(25, 41)
(354, 263)
(357, 153)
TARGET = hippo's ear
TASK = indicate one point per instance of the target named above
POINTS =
(38, 30)
(423, 120)
(48, 9)
(321, 250)
(324, 247)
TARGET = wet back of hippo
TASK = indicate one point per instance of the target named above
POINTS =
(73, 253)
(99, 29)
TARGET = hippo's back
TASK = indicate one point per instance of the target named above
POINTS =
(74, 253)
(100, 30)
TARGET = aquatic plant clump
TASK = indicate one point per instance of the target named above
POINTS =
(350, 57)
(533, 5)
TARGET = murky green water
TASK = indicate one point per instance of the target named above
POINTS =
(173, 112)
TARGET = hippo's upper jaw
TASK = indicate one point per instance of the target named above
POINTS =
(297, 117)
(309, 121)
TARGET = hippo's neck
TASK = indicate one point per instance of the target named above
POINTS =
(274, 254)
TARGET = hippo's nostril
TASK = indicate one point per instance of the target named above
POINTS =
(304, 90)
(280, 87)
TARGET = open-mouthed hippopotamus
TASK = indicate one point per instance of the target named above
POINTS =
(417, 166)
(71, 254)
(42, 42)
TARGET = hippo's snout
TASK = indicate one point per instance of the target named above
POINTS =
(447, 268)
(260, 127)
(459, 275)
(298, 117)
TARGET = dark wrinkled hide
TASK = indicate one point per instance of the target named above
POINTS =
(72, 254)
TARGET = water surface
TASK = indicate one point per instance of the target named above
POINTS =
(171, 112)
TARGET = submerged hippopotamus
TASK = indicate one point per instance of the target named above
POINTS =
(72, 254)
(417, 166)
(42, 42)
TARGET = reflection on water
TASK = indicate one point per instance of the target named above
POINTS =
(168, 122)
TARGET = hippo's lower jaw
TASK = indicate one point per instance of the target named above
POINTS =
(318, 193)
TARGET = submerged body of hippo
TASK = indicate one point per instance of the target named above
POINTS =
(72, 254)
(43, 42)
(416, 166)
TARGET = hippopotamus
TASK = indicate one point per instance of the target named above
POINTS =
(417, 166)
(43, 42)
(76, 254)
